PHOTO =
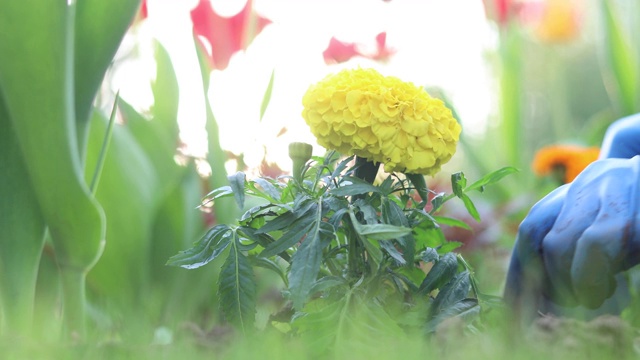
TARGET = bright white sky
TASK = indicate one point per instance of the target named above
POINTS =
(439, 43)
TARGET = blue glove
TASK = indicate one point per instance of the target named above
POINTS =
(576, 240)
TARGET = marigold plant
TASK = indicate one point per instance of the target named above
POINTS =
(382, 119)
(570, 159)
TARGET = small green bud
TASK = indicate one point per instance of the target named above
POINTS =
(300, 153)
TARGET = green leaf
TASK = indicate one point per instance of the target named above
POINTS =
(297, 232)
(266, 98)
(421, 186)
(21, 237)
(212, 244)
(280, 222)
(491, 178)
(382, 231)
(430, 237)
(356, 187)
(328, 282)
(392, 251)
(438, 200)
(270, 265)
(465, 309)
(458, 183)
(305, 265)
(99, 29)
(237, 185)
(443, 220)
(237, 289)
(449, 246)
(622, 61)
(441, 273)
(454, 291)
(471, 208)
(269, 188)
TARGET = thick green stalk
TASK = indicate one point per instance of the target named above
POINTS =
(21, 235)
(510, 95)
(73, 292)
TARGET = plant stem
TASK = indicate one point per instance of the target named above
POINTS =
(74, 306)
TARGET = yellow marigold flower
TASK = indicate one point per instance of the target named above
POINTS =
(571, 159)
(382, 119)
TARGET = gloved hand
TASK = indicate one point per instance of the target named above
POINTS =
(574, 241)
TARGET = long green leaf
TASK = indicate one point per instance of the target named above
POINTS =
(298, 232)
(622, 61)
(356, 187)
(21, 234)
(237, 289)
(491, 178)
(305, 264)
(236, 182)
(266, 98)
(37, 43)
(100, 27)
(212, 244)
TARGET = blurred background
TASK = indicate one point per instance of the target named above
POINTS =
(220, 85)
(520, 75)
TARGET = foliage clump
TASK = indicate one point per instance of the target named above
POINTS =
(354, 256)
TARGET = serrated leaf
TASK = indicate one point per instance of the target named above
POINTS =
(205, 250)
(327, 283)
(441, 273)
(266, 98)
(466, 309)
(268, 188)
(299, 229)
(219, 192)
(280, 222)
(443, 220)
(454, 291)
(356, 187)
(393, 214)
(491, 178)
(382, 231)
(305, 265)
(341, 166)
(237, 290)
(392, 251)
(236, 181)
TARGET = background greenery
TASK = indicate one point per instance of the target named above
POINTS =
(84, 259)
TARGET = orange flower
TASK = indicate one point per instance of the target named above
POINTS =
(570, 159)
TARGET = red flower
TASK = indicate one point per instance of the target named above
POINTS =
(226, 35)
(339, 51)
(144, 13)
(383, 53)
